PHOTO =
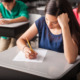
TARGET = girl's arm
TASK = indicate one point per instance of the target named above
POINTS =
(70, 47)
(21, 42)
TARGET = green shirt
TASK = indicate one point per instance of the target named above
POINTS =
(20, 9)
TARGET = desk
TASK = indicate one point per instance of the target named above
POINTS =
(54, 67)
(41, 10)
(14, 29)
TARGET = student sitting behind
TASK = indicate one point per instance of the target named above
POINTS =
(77, 13)
(58, 31)
(17, 12)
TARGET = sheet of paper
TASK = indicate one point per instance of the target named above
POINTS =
(40, 57)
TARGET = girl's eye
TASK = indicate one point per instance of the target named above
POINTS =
(54, 23)
(51, 22)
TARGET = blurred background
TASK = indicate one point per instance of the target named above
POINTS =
(37, 6)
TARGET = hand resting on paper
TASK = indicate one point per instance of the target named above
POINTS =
(3, 21)
(30, 54)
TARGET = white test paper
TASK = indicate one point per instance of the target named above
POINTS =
(40, 57)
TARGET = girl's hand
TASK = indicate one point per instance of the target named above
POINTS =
(63, 20)
(30, 54)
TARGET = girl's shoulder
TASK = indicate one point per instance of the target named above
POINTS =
(40, 23)
(42, 19)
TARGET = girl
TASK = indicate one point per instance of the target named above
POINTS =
(58, 31)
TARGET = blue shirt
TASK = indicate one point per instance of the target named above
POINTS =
(47, 40)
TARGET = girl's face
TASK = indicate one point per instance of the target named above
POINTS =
(51, 21)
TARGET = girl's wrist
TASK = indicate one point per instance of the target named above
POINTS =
(65, 27)
(24, 48)
(65, 30)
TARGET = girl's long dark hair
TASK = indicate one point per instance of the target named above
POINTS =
(57, 7)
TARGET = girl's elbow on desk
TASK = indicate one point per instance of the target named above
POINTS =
(71, 59)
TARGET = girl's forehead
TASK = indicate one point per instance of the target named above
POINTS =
(50, 17)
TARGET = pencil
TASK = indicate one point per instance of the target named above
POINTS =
(29, 44)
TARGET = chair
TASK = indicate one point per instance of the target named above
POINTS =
(32, 19)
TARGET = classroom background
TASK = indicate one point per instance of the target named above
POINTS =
(36, 9)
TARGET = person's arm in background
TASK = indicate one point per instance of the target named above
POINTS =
(20, 19)
(0, 15)
(24, 16)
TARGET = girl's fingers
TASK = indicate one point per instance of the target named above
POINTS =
(34, 52)
(30, 56)
(26, 55)
(27, 50)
